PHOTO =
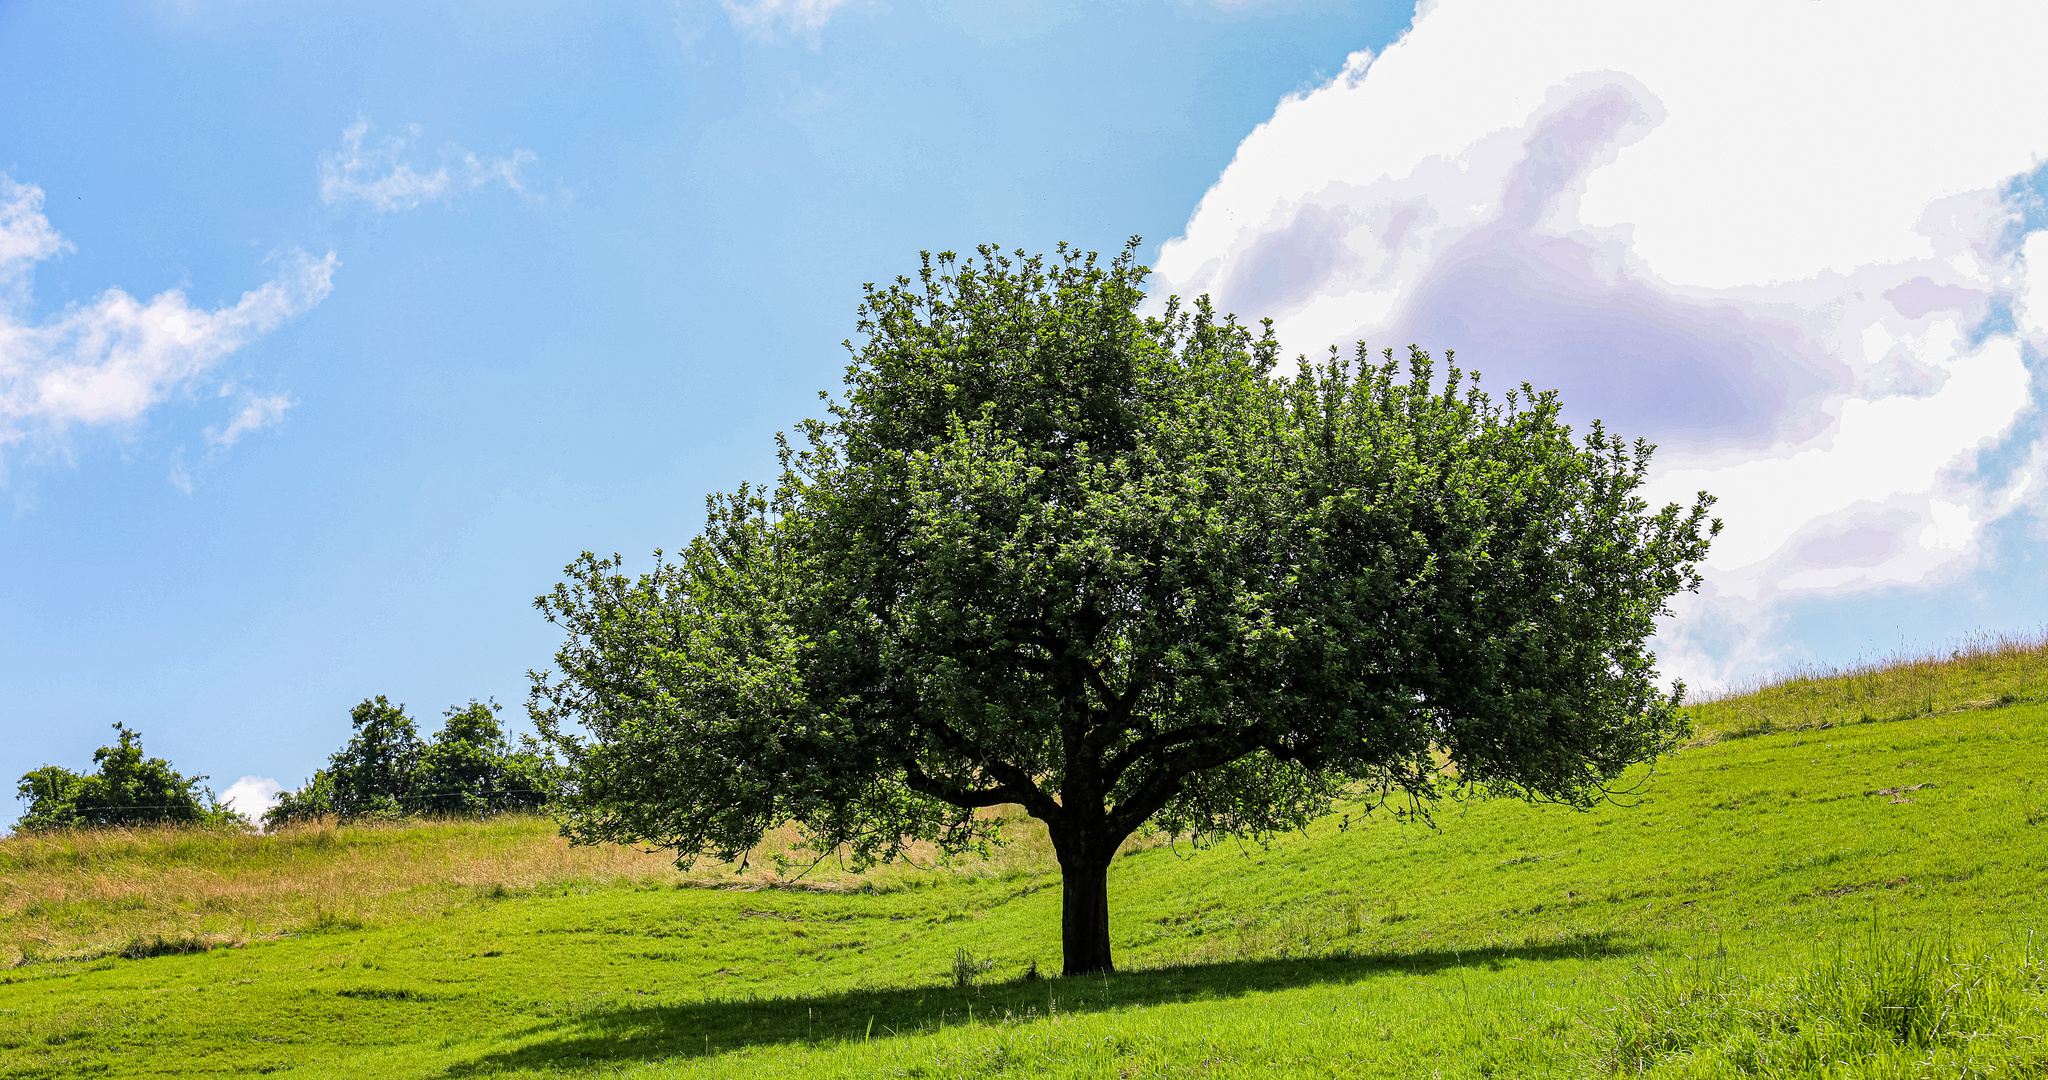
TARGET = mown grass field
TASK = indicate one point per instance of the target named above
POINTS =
(1864, 898)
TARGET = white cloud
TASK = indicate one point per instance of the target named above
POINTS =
(252, 795)
(766, 18)
(381, 177)
(110, 360)
(257, 413)
(26, 237)
(1779, 239)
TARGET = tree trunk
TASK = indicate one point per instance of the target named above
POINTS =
(1084, 917)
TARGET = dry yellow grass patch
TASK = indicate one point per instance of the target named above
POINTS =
(177, 888)
(99, 890)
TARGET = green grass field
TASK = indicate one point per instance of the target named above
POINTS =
(1855, 899)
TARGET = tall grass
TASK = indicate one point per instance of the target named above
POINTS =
(1978, 672)
(183, 888)
(1886, 1007)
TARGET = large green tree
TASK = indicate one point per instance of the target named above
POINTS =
(1047, 551)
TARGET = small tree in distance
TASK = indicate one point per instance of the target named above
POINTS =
(471, 768)
(372, 775)
(1051, 553)
(387, 771)
(124, 788)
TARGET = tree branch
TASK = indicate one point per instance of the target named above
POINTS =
(1122, 709)
(1121, 762)
(1159, 789)
(1009, 778)
(916, 779)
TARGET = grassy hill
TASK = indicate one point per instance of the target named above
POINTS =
(1843, 876)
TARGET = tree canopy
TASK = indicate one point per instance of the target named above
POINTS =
(124, 788)
(386, 770)
(1047, 551)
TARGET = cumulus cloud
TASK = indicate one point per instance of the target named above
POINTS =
(252, 795)
(767, 18)
(109, 361)
(1791, 243)
(382, 178)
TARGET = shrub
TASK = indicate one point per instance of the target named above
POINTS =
(124, 788)
(386, 771)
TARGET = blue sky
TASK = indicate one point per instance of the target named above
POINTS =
(417, 301)
(501, 378)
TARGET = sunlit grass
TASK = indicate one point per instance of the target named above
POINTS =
(1879, 1006)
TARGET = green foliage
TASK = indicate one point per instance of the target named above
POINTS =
(386, 771)
(1048, 552)
(124, 788)
(313, 801)
(374, 772)
(470, 767)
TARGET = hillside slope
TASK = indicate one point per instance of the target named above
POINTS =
(1690, 928)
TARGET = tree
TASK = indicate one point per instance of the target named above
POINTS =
(1048, 552)
(124, 788)
(470, 768)
(387, 771)
(373, 774)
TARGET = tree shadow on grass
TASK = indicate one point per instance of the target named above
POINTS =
(626, 1033)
